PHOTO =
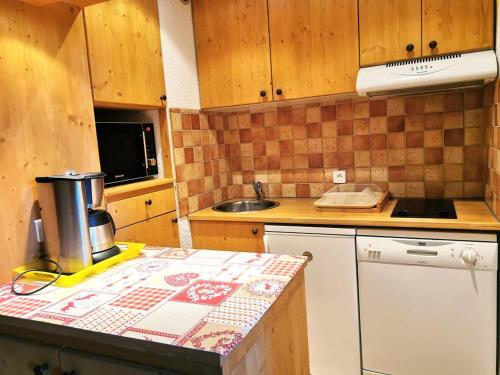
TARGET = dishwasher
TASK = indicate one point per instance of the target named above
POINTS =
(331, 293)
(428, 302)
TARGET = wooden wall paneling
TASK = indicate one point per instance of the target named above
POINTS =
(314, 47)
(386, 28)
(158, 231)
(78, 3)
(234, 236)
(46, 118)
(126, 65)
(457, 25)
(232, 46)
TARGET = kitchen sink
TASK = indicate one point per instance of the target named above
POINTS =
(245, 206)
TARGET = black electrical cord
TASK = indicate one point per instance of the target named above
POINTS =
(58, 270)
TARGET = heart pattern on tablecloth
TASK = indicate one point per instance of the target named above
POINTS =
(180, 279)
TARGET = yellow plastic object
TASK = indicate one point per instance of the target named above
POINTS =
(67, 281)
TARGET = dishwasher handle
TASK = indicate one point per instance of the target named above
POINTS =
(265, 238)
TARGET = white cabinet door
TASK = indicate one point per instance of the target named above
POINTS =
(331, 298)
(21, 357)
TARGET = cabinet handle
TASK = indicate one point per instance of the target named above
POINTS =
(40, 369)
(163, 97)
(149, 202)
(255, 231)
(279, 92)
(175, 220)
(433, 44)
(263, 93)
(410, 47)
(308, 255)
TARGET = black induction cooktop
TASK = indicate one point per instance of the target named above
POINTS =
(425, 208)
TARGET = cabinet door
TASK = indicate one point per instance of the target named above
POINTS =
(232, 47)
(456, 25)
(223, 235)
(314, 47)
(83, 363)
(389, 30)
(158, 231)
(21, 357)
(123, 38)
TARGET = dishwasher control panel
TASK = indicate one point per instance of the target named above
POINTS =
(428, 252)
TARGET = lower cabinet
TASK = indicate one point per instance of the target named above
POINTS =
(158, 231)
(78, 363)
(22, 357)
(223, 235)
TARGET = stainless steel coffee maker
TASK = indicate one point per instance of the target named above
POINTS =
(76, 234)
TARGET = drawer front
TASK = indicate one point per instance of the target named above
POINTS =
(159, 231)
(233, 236)
(142, 207)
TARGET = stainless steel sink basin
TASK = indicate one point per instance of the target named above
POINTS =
(245, 206)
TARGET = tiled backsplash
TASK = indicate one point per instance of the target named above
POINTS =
(427, 145)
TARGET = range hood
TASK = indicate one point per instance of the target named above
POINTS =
(426, 74)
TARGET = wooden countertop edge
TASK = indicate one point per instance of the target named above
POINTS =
(368, 219)
(165, 356)
(270, 315)
(117, 193)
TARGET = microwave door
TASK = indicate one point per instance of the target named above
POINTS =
(121, 150)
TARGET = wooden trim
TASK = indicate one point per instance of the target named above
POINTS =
(139, 107)
(166, 151)
(118, 193)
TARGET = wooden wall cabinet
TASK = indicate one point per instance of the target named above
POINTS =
(389, 30)
(232, 47)
(224, 235)
(399, 29)
(456, 26)
(124, 48)
(314, 47)
(309, 46)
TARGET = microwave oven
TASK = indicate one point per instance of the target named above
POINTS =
(127, 151)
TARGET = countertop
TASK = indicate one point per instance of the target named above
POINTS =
(471, 215)
(190, 299)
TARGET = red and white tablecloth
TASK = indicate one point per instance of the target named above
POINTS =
(202, 299)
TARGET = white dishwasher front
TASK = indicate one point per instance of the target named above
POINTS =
(427, 302)
(331, 293)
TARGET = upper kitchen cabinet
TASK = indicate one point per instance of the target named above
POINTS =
(389, 30)
(314, 47)
(232, 46)
(453, 26)
(124, 48)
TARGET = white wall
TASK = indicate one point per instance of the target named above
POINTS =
(179, 54)
(181, 75)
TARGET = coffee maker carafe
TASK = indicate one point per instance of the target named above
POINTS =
(76, 234)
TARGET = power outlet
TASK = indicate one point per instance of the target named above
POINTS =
(339, 177)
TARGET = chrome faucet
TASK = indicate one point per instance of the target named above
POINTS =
(257, 186)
